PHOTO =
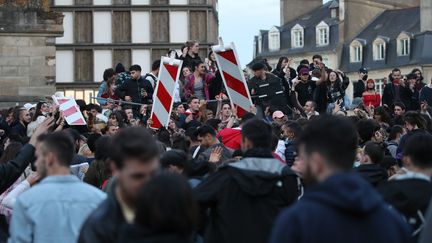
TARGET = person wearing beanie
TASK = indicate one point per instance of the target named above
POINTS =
(121, 74)
(370, 96)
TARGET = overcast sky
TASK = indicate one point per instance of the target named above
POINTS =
(241, 20)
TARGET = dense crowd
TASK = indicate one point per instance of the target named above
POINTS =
(307, 163)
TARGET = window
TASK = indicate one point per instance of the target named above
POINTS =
(160, 26)
(140, 26)
(198, 26)
(83, 65)
(379, 49)
(274, 39)
(297, 39)
(403, 44)
(83, 22)
(178, 21)
(356, 51)
(64, 66)
(102, 27)
(102, 60)
(121, 23)
(322, 34)
(68, 35)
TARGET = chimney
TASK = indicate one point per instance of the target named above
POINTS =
(293, 9)
(426, 15)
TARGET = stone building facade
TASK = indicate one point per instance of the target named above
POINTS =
(378, 35)
(27, 50)
(98, 34)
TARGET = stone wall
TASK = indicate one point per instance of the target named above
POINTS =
(27, 51)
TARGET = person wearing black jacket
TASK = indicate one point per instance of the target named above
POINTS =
(370, 168)
(411, 191)
(267, 89)
(134, 153)
(360, 85)
(137, 89)
(245, 197)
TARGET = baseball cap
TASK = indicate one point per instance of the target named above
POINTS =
(304, 71)
(29, 106)
(278, 114)
(363, 70)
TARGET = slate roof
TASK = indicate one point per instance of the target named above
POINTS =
(390, 24)
(308, 21)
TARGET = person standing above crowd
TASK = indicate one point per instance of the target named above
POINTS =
(360, 85)
(190, 54)
(370, 96)
(267, 89)
(198, 83)
(55, 209)
(304, 86)
(211, 64)
(412, 102)
(395, 90)
(339, 206)
(419, 79)
(108, 74)
(257, 186)
(136, 89)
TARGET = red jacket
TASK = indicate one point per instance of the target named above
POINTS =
(230, 137)
(371, 99)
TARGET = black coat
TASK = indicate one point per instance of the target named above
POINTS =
(372, 173)
(359, 88)
(12, 170)
(244, 199)
(389, 97)
(104, 224)
(411, 198)
(270, 92)
(135, 89)
(138, 234)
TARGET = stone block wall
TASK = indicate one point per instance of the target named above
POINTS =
(27, 50)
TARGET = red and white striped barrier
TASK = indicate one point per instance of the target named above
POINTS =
(232, 75)
(169, 73)
(71, 110)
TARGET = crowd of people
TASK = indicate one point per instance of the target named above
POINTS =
(306, 163)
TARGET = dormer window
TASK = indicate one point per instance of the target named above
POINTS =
(274, 39)
(379, 49)
(297, 36)
(403, 44)
(356, 51)
(322, 34)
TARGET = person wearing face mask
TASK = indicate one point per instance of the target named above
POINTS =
(360, 85)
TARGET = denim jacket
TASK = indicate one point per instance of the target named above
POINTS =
(54, 210)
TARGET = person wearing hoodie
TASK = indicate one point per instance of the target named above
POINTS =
(338, 206)
(411, 192)
(245, 197)
(370, 168)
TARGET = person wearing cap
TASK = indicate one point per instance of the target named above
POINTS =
(267, 89)
(360, 85)
(278, 117)
(303, 86)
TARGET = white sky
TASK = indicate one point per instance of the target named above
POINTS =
(241, 20)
